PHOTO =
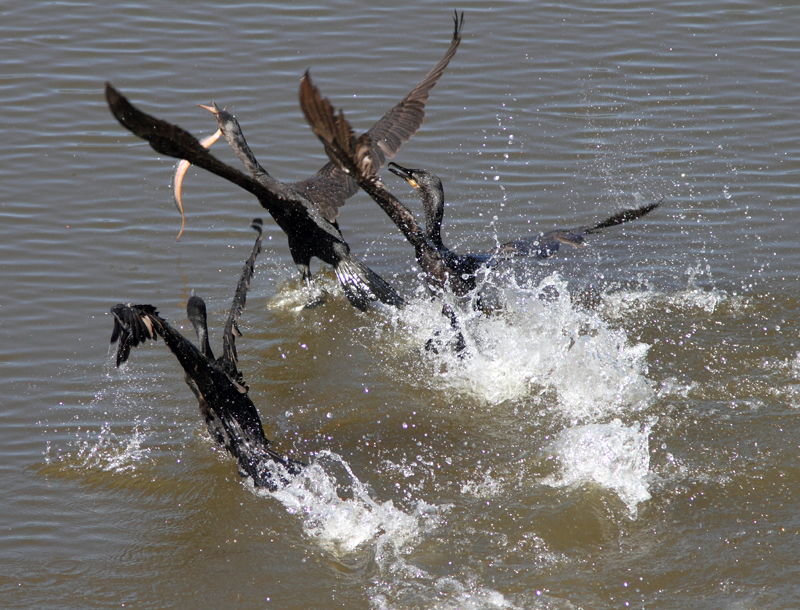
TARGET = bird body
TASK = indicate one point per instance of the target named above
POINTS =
(305, 210)
(230, 415)
(442, 266)
(300, 219)
(539, 247)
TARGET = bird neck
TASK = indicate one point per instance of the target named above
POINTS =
(233, 134)
(196, 311)
(434, 213)
(202, 339)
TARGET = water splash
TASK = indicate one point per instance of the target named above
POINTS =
(343, 526)
(540, 341)
(293, 294)
(612, 455)
(361, 525)
(696, 299)
(449, 593)
(106, 451)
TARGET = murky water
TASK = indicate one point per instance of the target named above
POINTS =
(623, 434)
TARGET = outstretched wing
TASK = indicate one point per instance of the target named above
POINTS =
(353, 156)
(330, 186)
(342, 147)
(230, 359)
(405, 119)
(546, 244)
(171, 140)
(621, 217)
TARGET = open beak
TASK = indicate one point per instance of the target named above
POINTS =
(212, 108)
(406, 174)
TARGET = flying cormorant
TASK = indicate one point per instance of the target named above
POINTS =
(539, 247)
(441, 266)
(305, 210)
(231, 417)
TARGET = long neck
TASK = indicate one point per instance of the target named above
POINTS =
(433, 202)
(232, 132)
(433, 256)
(169, 139)
(196, 311)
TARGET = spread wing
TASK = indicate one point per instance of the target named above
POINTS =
(230, 359)
(134, 324)
(169, 139)
(330, 186)
(405, 119)
(353, 155)
(546, 244)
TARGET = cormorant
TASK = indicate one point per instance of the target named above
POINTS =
(231, 417)
(353, 157)
(441, 265)
(305, 210)
(539, 247)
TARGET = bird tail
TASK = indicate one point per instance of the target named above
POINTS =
(363, 286)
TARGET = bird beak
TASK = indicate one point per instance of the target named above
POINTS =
(212, 108)
(406, 174)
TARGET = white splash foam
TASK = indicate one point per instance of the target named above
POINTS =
(342, 526)
(107, 451)
(611, 455)
(293, 294)
(487, 487)
(693, 299)
(361, 524)
(539, 341)
(448, 593)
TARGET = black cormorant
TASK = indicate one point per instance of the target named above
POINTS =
(305, 210)
(440, 265)
(352, 155)
(231, 417)
(540, 246)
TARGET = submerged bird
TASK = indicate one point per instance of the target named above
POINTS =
(231, 417)
(539, 247)
(305, 210)
(442, 266)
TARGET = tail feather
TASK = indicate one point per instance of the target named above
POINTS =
(363, 286)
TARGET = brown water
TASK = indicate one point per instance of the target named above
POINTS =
(624, 434)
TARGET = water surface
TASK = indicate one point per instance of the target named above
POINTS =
(623, 434)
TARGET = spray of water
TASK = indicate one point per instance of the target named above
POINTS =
(612, 455)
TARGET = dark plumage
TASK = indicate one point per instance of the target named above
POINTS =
(305, 210)
(539, 247)
(231, 417)
(441, 265)
(353, 156)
